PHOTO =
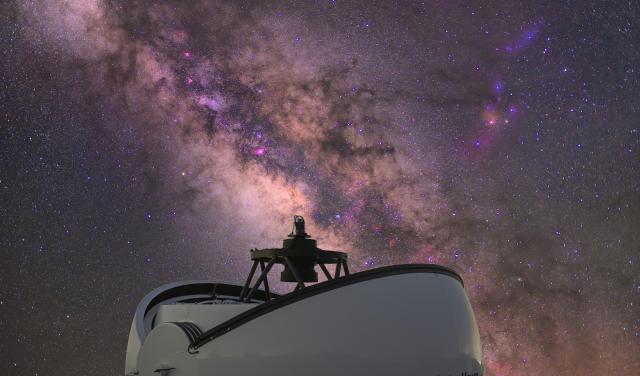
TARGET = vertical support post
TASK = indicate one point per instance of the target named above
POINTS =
(213, 292)
(346, 267)
(338, 266)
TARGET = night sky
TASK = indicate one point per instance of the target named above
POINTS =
(143, 143)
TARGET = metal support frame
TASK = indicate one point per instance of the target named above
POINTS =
(266, 281)
(247, 293)
(249, 279)
(249, 290)
(299, 255)
(262, 279)
(341, 266)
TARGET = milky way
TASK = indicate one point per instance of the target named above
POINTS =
(143, 143)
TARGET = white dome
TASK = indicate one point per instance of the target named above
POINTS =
(407, 319)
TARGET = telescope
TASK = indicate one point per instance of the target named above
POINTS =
(410, 319)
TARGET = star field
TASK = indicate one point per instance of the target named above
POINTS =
(143, 143)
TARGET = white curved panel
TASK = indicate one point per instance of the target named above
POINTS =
(409, 324)
(417, 323)
(203, 315)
